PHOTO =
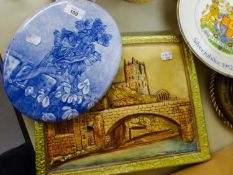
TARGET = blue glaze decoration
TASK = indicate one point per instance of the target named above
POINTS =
(70, 69)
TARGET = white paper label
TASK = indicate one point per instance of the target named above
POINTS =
(74, 11)
(33, 39)
(166, 56)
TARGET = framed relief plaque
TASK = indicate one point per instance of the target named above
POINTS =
(151, 117)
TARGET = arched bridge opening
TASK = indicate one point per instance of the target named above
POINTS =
(142, 128)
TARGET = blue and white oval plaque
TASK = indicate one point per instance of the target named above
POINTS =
(62, 60)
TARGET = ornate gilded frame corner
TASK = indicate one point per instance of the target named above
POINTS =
(203, 154)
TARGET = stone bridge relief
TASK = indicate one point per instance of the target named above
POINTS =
(178, 111)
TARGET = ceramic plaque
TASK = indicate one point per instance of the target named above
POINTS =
(207, 27)
(151, 117)
(62, 60)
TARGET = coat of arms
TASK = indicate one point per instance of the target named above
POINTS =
(217, 24)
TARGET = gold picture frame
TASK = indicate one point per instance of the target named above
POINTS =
(191, 130)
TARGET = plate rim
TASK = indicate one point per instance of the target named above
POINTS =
(218, 110)
(193, 50)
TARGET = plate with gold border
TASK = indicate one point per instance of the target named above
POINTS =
(221, 93)
(207, 29)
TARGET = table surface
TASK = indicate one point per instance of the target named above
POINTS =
(158, 16)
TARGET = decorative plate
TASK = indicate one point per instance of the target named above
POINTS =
(207, 27)
(221, 93)
(62, 60)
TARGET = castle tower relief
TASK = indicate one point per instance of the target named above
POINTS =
(135, 75)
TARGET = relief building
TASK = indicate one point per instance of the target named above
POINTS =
(127, 116)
